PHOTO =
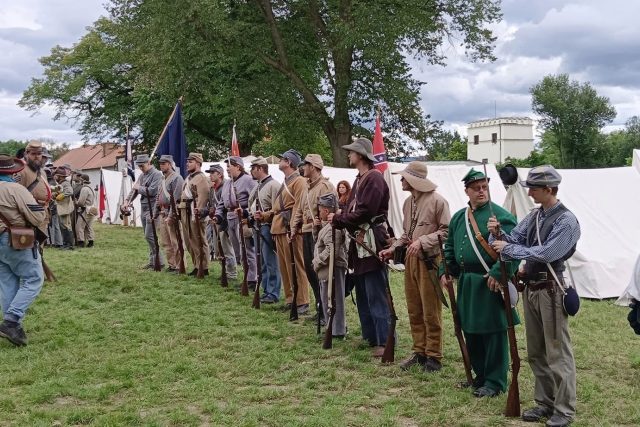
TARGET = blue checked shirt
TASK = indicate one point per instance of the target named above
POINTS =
(565, 234)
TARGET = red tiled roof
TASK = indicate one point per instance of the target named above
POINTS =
(97, 156)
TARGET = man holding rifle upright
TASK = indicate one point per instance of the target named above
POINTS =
(147, 187)
(480, 305)
(426, 218)
(546, 238)
(171, 185)
(365, 218)
(194, 200)
(286, 224)
(219, 230)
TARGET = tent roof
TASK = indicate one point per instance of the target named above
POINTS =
(97, 156)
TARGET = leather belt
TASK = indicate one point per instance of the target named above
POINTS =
(473, 269)
(538, 286)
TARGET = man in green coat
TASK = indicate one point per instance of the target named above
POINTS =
(480, 306)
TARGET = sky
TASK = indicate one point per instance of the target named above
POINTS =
(591, 40)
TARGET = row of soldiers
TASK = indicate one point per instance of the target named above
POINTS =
(301, 232)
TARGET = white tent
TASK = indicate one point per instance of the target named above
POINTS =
(635, 162)
(633, 288)
(116, 189)
(607, 212)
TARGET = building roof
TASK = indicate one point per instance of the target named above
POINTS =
(88, 157)
(502, 120)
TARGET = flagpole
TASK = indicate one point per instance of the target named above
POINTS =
(166, 125)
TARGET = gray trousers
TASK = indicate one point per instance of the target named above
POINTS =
(252, 274)
(551, 360)
(227, 248)
(339, 320)
(55, 235)
(148, 235)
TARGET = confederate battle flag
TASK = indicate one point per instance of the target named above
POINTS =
(378, 147)
(235, 151)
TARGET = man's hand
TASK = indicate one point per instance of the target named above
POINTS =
(494, 226)
(316, 221)
(444, 282)
(239, 212)
(385, 254)
(498, 245)
(136, 186)
(493, 284)
(330, 217)
(414, 248)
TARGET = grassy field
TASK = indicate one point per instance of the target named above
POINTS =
(112, 345)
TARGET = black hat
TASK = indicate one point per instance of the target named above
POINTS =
(508, 174)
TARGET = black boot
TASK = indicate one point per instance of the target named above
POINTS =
(90, 244)
(13, 332)
(67, 238)
(80, 244)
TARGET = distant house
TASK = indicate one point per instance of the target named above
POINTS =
(91, 158)
(499, 138)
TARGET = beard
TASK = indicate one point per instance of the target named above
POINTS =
(34, 164)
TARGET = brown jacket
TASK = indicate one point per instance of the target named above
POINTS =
(431, 219)
(20, 208)
(317, 188)
(196, 184)
(292, 193)
(322, 251)
(41, 191)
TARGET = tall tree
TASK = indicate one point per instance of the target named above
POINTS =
(574, 114)
(447, 145)
(285, 66)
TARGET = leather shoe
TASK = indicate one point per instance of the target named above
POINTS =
(415, 359)
(13, 332)
(476, 383)
(533, 415)
(485, 391)
(431, 365)
(558, 421)
(377, 351)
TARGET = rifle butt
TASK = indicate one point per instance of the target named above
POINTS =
(256, 297)
(48, 274)
(181, 267)
(512, 408)
(327, 343)
(224, 282)
(389, 349)
(244, 289)
(199, 273)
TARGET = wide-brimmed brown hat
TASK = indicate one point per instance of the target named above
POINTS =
(361, 146)
(10, 164)
(416, 175)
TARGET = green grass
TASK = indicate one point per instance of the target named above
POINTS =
(112, 345)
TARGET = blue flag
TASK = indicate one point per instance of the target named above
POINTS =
(173, 141)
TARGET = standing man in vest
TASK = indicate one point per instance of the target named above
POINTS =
(64, 201)
(218, 183)
(147, 187)
(480, 304)
(194, 200)
(426, 218)
(263, 198)
(366, 218)
(286, 213)
(237, 195)
(546, 238)
(318, 186)
(85, 213)
(33, 176)
(171, 185)
(21, 274)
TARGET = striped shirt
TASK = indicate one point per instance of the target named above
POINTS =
(563, 236)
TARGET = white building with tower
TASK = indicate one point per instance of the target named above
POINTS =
(499, 138)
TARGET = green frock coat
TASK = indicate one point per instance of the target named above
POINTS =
(481, 311)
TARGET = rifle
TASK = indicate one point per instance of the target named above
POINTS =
(156, 258)
(389, 348)
(244, 288)
(176, 227)
(224, 282)
(199, 233)
(256, 293)
(456, 319)
(512, 409)
(331, 290)
(293, 315)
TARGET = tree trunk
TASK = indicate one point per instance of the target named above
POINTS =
(342, 136)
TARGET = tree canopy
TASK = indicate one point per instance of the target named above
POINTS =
(571, 115)
(287, 68)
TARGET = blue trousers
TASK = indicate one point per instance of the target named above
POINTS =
(18, 266)
(269, 270)
(373, 309)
